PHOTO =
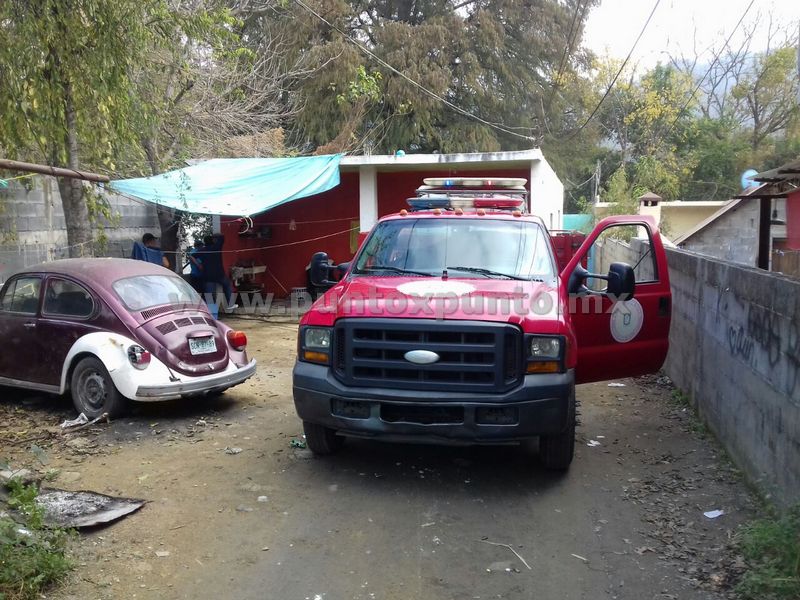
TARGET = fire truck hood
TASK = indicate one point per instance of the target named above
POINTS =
(482, 299)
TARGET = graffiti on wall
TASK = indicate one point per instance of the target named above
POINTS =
(763, 340)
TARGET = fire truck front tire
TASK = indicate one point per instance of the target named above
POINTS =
(556, 451)
(321, 440)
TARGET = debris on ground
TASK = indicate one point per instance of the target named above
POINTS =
(713, 514)
(81, 419)
(84, 508)
(229, 450)
(616, 384)
(517, 554)
(592, 443)
(579, 557)
(24, 476)
(297, 444)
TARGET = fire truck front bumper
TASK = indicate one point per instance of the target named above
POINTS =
(538, 406)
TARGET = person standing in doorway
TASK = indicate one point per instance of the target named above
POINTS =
(213, 269)
(196, 266)
(149, 251)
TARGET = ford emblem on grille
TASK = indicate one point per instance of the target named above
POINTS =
(421, 357)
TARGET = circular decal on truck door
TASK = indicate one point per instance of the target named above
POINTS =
(626, 320)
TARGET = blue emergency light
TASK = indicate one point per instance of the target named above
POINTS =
(428, 203)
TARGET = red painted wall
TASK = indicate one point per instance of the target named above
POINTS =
(793, 221)
(287, 252)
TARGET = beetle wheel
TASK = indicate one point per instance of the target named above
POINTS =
(93, 390)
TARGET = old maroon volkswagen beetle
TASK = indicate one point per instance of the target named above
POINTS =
(110, 330)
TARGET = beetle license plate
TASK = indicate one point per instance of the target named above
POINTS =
(205, 345)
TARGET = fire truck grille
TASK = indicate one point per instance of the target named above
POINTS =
(472, 356)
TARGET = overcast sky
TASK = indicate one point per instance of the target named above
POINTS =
(613, 26)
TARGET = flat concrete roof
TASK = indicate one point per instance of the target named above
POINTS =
(465, 161)
(678, 203)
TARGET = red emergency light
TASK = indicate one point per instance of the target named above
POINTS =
(500, 202)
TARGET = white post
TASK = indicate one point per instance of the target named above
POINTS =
(367, 197)
(531, 186)
(547, 194)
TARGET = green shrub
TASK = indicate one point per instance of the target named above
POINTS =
(771, 547)
(32, 556)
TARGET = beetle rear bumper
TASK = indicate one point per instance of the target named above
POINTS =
(189, 386)
(537, 407)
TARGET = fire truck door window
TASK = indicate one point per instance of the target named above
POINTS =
(628, 244)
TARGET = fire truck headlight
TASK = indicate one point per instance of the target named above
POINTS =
(545, 347)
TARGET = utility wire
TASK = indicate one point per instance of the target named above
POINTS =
(573, 31)
(622, 67)
(413, 82)
(710, 67)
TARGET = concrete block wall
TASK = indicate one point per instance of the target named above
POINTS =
(735, 351)
(630, 252)
(733, 236)
(32, 227)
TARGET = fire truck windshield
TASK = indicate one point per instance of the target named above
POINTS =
(481, 248)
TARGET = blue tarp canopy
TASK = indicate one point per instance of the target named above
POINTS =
(236, 186)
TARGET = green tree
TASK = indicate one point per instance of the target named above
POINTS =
(129, 87)
(65, 87)
(767, 94)
(620, 194)
(495, 59)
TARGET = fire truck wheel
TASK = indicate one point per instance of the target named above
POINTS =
(322, 440)
(556, 451)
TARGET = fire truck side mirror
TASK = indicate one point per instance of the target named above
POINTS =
(621, 281)
(319, 271)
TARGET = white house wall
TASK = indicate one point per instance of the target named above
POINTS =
(547, 194)
(367, 197)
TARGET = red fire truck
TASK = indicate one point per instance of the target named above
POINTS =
(454, 323)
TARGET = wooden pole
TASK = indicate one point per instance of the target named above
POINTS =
(15, 165)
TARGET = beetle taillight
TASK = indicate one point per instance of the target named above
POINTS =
(139, 357)
(237, 340)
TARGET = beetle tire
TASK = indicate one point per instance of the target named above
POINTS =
(321, 440)
(556, 451)
(91, 372)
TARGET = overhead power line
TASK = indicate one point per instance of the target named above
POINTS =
(708, 71)
(422, 88)
(571, 35)
(619, 72)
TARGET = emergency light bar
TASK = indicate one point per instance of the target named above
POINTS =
(447, 203)
(450, 193)
(442, 202)
(475, 182)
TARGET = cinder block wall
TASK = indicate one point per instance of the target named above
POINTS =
(733, 236)
(735, 350)
(32, 228)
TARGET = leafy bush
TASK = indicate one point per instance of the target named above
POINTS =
(32, 556)
(771, 547)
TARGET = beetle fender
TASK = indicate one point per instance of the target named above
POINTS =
(112, 350)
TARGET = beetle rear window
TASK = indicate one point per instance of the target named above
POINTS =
(146, 291)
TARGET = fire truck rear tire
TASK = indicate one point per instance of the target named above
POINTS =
(556, 451)
(322, 440)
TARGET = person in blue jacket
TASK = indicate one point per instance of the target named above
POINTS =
(196, 266)
(148, 250)
(213, 269)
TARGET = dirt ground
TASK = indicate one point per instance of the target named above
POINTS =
(382, 521)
